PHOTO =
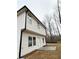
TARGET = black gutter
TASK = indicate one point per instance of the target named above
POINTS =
(22, 30)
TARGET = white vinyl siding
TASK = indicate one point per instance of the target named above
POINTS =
(35, 26)
(25, 48)
(20, 25)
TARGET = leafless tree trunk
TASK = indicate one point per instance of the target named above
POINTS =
(58, 2)
(57, 17)
(54, 16)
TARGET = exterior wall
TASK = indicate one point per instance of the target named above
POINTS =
(35, 26)
(20, 25)
(21, 21)
(25, 49)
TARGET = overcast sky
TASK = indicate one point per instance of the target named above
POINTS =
(39, 7)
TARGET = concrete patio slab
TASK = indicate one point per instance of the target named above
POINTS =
(48, 48)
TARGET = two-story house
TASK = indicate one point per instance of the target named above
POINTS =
(30, 32)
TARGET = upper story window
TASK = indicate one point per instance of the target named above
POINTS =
(38, 25)
(29, 19)
(43, 40)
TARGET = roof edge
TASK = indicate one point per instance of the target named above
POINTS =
(31, 13)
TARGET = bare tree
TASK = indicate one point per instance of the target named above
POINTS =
(52, 26)
(58, 7)
(57, 16)
(57, 19)
(47, 23)
(57, 23)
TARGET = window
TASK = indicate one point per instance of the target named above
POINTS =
(43, 40)
(29, 20)
(38, 25)
(34, 40)
(29, 41)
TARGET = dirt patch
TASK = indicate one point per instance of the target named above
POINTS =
(47, 54)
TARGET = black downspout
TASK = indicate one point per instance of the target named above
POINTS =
(22, 30)
(20, 44)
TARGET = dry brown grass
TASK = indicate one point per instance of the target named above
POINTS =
(47, 54)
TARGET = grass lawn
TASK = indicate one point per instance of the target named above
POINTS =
(56, 54)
